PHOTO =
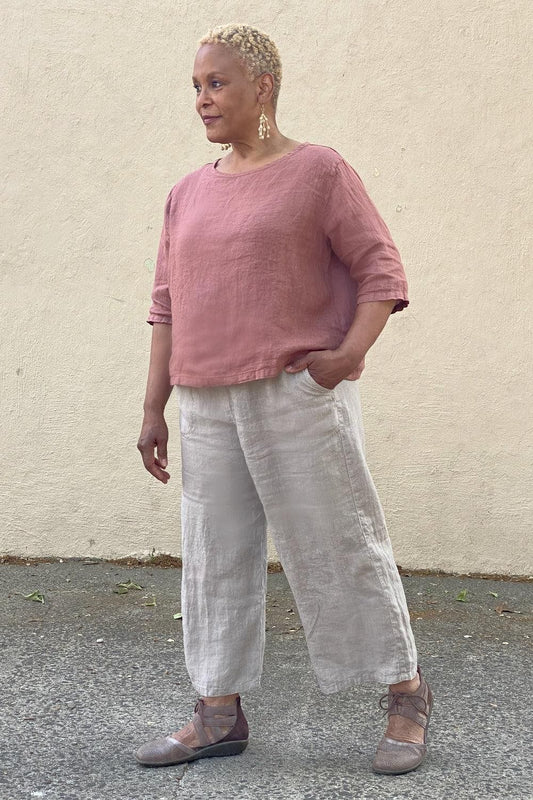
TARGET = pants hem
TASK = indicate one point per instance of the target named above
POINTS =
(206, 690)
(367, 677)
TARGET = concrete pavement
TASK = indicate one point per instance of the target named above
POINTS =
(91, 673)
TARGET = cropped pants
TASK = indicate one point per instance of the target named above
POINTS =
(287, 453)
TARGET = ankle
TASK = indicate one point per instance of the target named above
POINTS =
(406, 687)
(220, 700)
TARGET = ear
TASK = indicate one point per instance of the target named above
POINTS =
(265, 87)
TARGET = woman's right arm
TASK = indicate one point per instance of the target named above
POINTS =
(153, 439)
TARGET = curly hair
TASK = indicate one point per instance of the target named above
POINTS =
(254, 47)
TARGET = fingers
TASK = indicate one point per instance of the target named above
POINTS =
(154, 440)
(155, 469)
(162, 459)
(154, 466)
(324, 367)
(299, 364)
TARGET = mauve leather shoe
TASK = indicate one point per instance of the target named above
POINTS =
(207, 721)
(392, 756)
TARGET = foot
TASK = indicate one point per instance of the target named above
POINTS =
(403, 747)
(221, 731)
(401, 728)
(188, 735)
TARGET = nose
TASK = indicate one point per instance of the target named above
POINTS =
(202, 99)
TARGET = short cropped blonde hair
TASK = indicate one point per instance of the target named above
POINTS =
(254, 47)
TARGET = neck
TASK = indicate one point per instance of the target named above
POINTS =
(253, 150)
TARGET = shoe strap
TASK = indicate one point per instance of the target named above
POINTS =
(185, 749)
(209, 721)
(412, 706)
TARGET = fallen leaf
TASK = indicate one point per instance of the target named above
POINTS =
(494, 594)
(179, 615)
(122, 588)
(461, 597)
(501, 609)
(150, 602)
(37, 596)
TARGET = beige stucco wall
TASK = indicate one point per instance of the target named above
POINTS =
(429, 102)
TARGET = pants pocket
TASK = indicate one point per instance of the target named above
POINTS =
(311, 382)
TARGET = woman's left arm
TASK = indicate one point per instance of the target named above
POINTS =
(368, 322)
(361, 240)
(330, 367)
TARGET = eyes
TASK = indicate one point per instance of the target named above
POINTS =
(214, 84)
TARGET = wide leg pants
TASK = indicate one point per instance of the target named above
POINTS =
(287, 453)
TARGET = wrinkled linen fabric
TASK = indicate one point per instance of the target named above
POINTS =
(257, 268)
(287, 453)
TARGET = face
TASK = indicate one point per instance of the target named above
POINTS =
(226, 98)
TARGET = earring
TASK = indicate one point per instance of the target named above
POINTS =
(264, 127)
(225, 147)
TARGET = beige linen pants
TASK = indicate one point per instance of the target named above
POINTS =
(285, 452)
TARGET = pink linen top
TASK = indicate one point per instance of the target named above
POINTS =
(258, 267)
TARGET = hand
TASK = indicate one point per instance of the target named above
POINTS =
(326, 367)
(153, 439)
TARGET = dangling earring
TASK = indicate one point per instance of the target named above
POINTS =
(264, 127)
(225, 147)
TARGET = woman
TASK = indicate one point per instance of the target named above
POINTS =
(275, 275)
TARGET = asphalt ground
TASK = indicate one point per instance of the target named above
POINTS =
(90, 674)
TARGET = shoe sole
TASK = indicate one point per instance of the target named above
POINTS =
(213, 751)
(396, 772)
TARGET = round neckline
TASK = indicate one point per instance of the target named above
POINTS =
(256, 169)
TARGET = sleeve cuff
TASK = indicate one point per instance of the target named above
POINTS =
(166, 319)
(400, 295)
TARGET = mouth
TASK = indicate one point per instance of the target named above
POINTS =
(209, 120)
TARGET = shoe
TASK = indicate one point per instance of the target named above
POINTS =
(392, 756)
(207, 721)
